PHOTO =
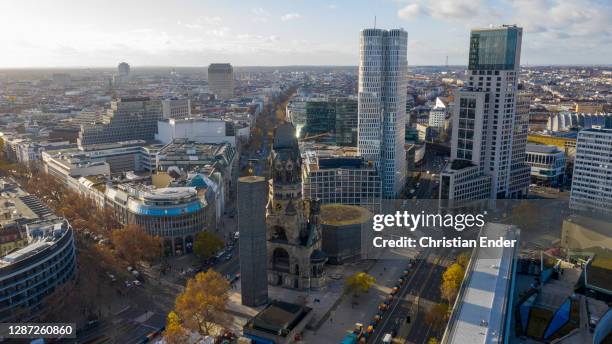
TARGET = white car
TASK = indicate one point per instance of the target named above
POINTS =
(128, 284)
(137, 283)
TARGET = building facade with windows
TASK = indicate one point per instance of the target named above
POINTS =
(221, 80)
(489, 120)
(592, 177)
(382, 104)
(43, 259)
(176, 214)
(127, 119)
(547, 164)
(176, 108)
(335, 178)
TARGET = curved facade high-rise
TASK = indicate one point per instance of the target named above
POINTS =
(382, 104)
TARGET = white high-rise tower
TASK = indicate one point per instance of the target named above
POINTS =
(382, 104)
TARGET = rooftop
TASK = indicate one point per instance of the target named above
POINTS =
(459, 164)
(536, 148)
(343, 215)
(278, 318)
(482, 303)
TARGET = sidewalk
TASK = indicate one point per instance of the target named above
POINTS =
(342, 319)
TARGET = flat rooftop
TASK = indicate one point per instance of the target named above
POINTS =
(278, 317)
(343, 215)
(459, 164)
(481, 307)
(536, 148)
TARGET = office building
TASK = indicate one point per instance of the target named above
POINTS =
(325, 119)
(591, 183)
(252, 199)
(519, 169)
(221, 80)
(96, 160)
(176, 108)
(547, 164)
(347, 121)
(382, 104)
(177, 214)
(337, 175)
(44, 258)
(200, 130)
(437, 115)
(320, 119)
(128, 119)
(217, 161)
(123, 69)
(489, 132)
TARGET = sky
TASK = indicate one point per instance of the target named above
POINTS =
(101, 33)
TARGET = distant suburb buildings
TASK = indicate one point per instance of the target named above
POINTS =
(489, 122)
(221, 80)
(592, 178)
(382, 104)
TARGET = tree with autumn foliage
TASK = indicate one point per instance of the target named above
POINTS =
(134, 244)
(451, 282)
(200, 308)
(359, 282)
(463, 259)
(206, 244)
(437, 315)
(175, 333)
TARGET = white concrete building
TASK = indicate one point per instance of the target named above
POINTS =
(200, 130)
(547, 164)
(437, 115)
(382, 104)
(592, 181)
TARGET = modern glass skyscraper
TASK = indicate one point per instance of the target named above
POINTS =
(488, 141)
(382, 104)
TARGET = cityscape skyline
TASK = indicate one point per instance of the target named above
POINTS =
(296, 33)
(306, 203)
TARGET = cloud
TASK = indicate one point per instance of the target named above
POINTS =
(260, 15)
(411, 11)
(331, 6)
(291, 16)
(218, 32)
(202, 22)
(555, 31)
(444, 9)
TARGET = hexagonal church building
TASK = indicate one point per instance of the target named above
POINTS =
(295, 259)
